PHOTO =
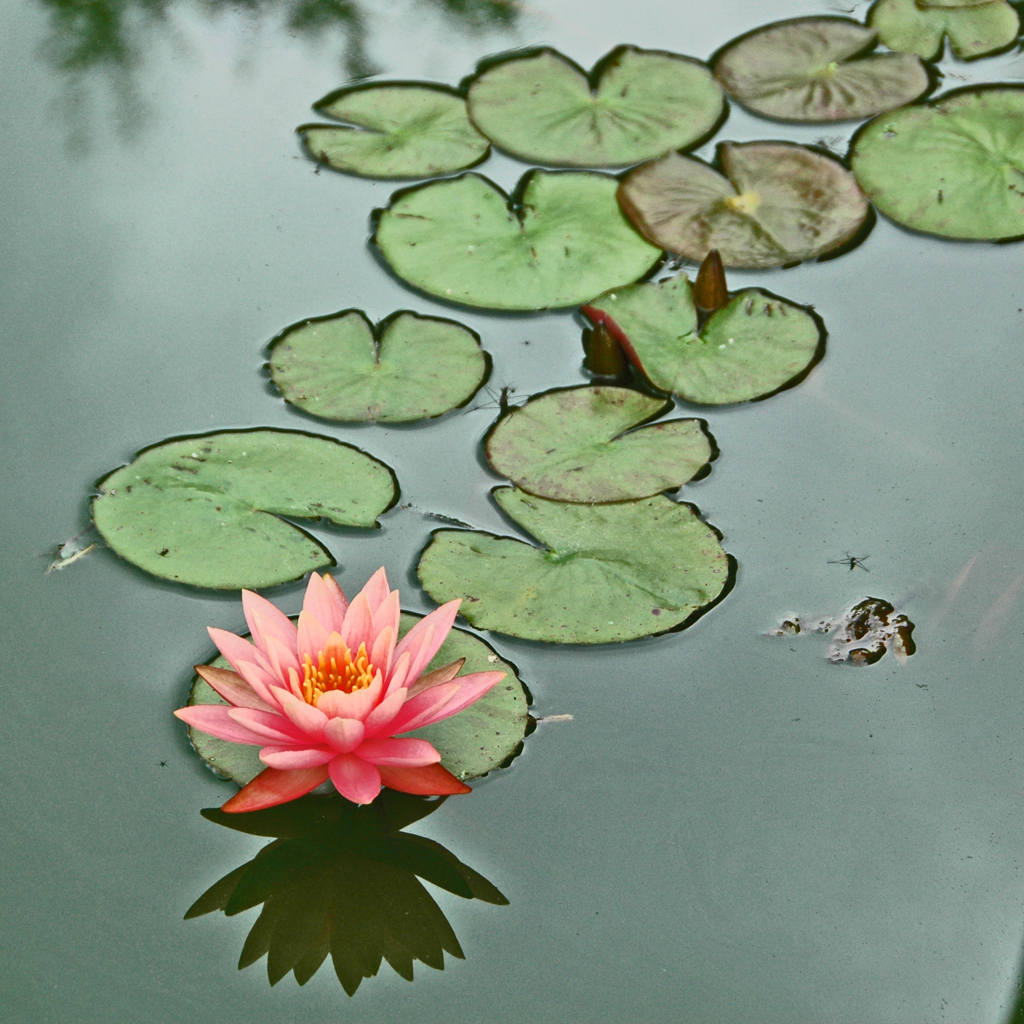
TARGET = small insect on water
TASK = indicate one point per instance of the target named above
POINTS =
(851, 561)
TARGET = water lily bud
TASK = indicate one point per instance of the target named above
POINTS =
(709, 291)
(604, 355)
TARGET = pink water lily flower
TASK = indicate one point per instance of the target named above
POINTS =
(328, 697)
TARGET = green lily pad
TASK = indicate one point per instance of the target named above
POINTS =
(751, 348)
(581, 444)
(203, 510)
(635, 105)
(395, 130)
(919, 26)
(817, 69)
(775, 203)
(605, 573)
(560, 240)
(954, 167)
(411, 368)
(471, 743)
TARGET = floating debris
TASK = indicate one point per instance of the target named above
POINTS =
(861, 635)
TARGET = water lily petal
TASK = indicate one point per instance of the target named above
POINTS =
(358, 704)
(344, 734)
(358, 627)
(381, 717)
(272, 787)
(399, 673)
(394, 750)
(266, 620)
(423, 709)
(233, 688)
(354, 779)
(281, 658)
(377, 589)
(236, 649)
(215, 720)
(428, 780)
(262, 681)
(275, 728)
(383, 645)
(441, 621)
(471, 688)
(288, 758)
(388, 613)
(438, 676)
(325, 602)
(308, 719)
(312, 637)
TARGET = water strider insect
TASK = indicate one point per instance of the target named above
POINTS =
(853, 561)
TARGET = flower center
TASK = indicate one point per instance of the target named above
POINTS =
(336, 669)
(745, 202)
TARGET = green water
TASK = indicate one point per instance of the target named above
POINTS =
(730, 828)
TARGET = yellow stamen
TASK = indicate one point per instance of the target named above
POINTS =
(336, 670)
(746, 202)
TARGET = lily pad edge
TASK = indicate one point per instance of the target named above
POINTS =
(934, 77)
(523, 537)
(345, 90)
(192, 587)
(683, 403)
(651, 392)
(593, 77)
(377, 330)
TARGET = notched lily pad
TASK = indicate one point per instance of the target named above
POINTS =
(395, 130)
(589, 444)
(817, 69)
(755, 346)
(471, 743)
(953, 167)
(204, 510)
(635, 105)
(558, 241)
(973, 28)
(773, 203)
(604, 573)
(409, 368)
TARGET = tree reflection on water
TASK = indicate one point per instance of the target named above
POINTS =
(109, 37)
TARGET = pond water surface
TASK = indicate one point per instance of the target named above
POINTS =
(730, 828)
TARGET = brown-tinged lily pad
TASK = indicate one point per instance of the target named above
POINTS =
(973, 28)
(773, 203)
(817, 69)
(409, 368)
(591, 444)
(395, 130)
(635, 104)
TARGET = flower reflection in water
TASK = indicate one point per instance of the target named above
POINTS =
(343, 880)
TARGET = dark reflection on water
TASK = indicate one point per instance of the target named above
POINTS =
(343, 881)
(108, 39)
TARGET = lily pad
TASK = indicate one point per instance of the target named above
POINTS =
(471, 743)
(581, 444)
(203, 510)
(919, 26)
(560, 240)
(954, 167)
(605, 573)
(774, 203)
(753, 347)
(410, 368)
(395, 130)
(635, 105)
(817, 69)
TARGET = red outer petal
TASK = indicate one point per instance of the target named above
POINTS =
(275, 786)
(429, 780)
(599, 316)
